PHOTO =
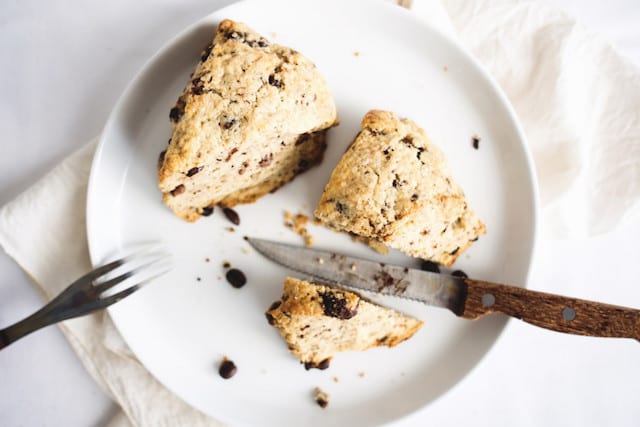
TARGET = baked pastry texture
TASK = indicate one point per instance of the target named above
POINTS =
(318, 321)
(394, 186)
(252, 117)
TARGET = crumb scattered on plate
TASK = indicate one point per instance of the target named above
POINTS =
(361, 374)
(246, 250)
(230, 229)
(226, 264)
(298, 224)
(356, 53)
(321, 398)
(445, 69)
(336, 379)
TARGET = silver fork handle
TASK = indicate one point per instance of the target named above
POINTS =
(62, 307)
(24, 327)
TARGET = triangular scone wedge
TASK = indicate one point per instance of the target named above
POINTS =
(394, 186)
(318, 321)
(250, 119)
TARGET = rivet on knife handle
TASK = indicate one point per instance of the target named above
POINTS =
(555, 312)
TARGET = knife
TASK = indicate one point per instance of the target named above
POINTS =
(465, 297)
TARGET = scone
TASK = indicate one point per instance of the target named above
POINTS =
(394, 186)
(318, 321)
(252, 117)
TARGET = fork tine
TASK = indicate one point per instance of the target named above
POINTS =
(101, 287)
(111, 299)
(100, 271)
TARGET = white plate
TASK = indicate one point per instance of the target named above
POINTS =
(181, 328)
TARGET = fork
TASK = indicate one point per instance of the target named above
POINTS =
(90, 293)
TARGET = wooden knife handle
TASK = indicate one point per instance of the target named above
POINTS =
(555, 312)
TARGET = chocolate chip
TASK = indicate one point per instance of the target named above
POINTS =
(226, 264)
(231, 215)
(227, 369)
(334, 306)
(233, 151)
(206, 52)
(243, 168)
(178, 110)
(270, 319)
(228, 125)
(236, 278)
(455, 251)
(322, 402)
(459, 273)
(275, 305)
(194, 170)
(303, 164)
(414, 197)
(475, 141)
(266, 160)
(430, 266)
(197, 86)
(341, 207)
(321, 365)
(273, 81)
(206, 211)
(178, 190)
(262, 43)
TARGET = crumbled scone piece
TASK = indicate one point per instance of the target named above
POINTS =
(298, 224)
(252, 116)
(318, 321)
(394, 186)
(321, 397)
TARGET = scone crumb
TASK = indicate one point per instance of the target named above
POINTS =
(336, 379)
(321, 398)
(230, 229)
(356, 53)
(246, 250)
(445, 69)
(298, 224)
(361, 374)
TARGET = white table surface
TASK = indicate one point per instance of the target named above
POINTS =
(64, 63)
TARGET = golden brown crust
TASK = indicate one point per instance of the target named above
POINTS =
(393, 185)
(318, 321)
(240, 120)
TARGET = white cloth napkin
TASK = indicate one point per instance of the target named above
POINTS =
(579, 102)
